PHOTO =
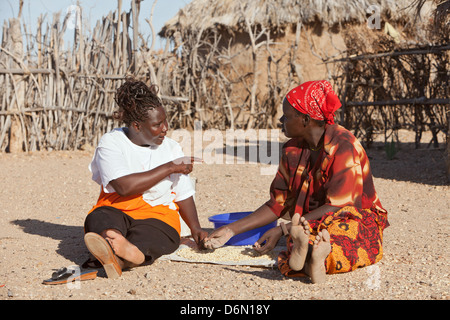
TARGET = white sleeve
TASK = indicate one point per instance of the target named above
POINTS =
(182, 187)
(110, 164)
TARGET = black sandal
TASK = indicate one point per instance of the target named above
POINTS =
(65, 275)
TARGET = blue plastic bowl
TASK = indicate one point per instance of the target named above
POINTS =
(243, 239)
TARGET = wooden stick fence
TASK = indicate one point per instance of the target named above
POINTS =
(58, 98)
(54, 98)
(406, 88)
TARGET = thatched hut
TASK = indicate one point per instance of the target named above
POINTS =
(275, 44)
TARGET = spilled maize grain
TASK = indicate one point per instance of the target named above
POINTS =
(225, 254)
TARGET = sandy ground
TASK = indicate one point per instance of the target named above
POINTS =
(45, 196)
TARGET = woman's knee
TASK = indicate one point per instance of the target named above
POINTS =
(104, 218)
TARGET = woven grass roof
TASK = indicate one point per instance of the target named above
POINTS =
(279, 13)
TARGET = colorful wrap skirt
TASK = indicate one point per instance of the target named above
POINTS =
(356, 237)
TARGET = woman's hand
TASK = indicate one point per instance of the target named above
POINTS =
(139, 182)
(268, 240)
(188, 213)
(261, 217)
(199, 236)
(184, 165)
(218, 238)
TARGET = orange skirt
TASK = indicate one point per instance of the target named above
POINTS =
(137, 208)
(356, 237)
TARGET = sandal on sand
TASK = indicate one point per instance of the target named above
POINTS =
(69, 274)
(103, 252)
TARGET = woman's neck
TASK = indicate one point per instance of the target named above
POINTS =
(314, 139)
(133, 136)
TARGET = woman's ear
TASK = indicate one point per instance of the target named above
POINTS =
(306, 120)
(136, 126)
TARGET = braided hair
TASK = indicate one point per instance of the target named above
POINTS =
(135, 99)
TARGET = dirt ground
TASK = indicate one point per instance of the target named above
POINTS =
(45, 196)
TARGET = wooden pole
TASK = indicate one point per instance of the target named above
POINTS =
(427, 50)
(135, 13)
(417, 101)
(117, 39)
(17, 135)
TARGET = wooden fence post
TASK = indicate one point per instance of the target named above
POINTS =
(16, 135)
(448, 144)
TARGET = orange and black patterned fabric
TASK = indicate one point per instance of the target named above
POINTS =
(356, 237)
(341, 177)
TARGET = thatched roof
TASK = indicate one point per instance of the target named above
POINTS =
(441, 15)
(279, 13)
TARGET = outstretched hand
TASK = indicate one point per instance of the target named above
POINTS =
(184, 165)
(218, 238)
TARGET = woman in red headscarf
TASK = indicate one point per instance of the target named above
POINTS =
(324, 186)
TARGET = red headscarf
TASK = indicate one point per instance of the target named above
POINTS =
(316, 99)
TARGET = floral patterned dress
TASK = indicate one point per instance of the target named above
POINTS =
(341, 177)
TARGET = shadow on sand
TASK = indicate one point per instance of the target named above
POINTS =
(71, 245)
(423, 165)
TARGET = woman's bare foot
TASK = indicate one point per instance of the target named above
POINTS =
(123, 248)
(316, 266)
(101, 250)
(300, 237)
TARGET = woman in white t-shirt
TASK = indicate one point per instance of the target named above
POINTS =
(145, 186)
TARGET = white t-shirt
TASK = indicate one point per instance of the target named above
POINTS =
(116, 156)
